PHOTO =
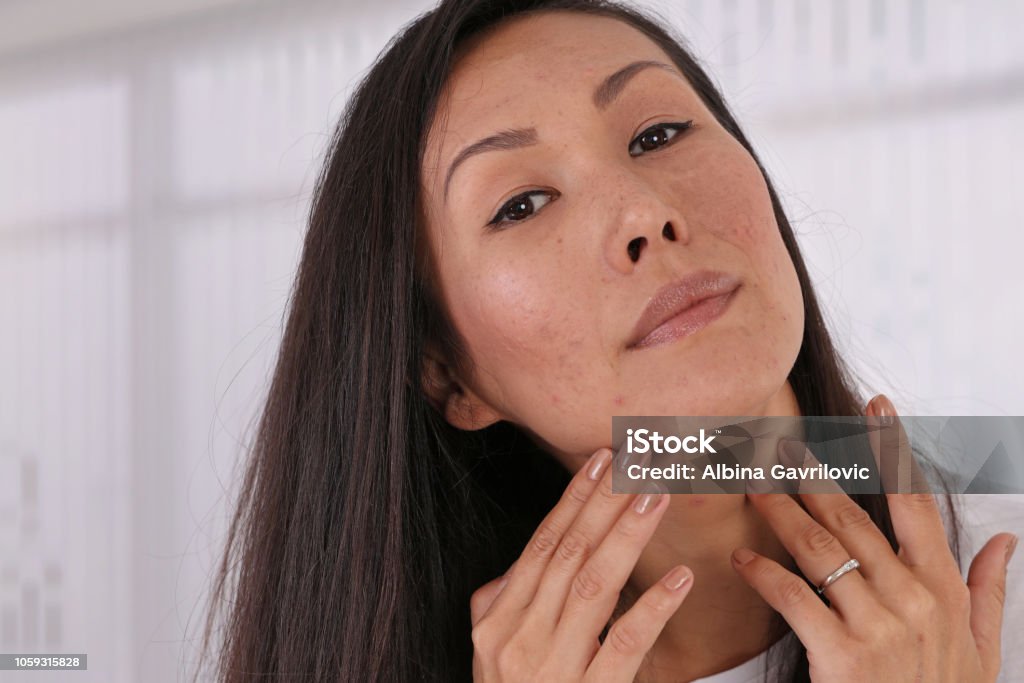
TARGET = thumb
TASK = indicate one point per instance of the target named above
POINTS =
(986, 581)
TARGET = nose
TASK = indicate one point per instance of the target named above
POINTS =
(643, 221)
(638, 243)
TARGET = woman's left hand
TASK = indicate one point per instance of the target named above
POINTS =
(906, 616)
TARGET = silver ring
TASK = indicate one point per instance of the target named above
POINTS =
(847, 567)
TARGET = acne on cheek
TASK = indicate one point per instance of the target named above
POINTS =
(739, 196)
(747, 233)
(752, 224)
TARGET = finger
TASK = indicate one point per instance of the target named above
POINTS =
(597, 586)
(817, 627)
(923, 545)
(860, 536)
(795, 455)
(916, 520)
(529, 567)
(482, 599)
(589, 530)
(891, 447)
(818, 553)
(633, 634)
(986, 581)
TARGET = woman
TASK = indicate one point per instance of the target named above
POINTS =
(511, 183)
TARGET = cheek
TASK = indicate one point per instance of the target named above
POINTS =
(740, 213)
(737, 206)
(527, 330)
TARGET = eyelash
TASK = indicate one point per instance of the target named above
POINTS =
(677, 126)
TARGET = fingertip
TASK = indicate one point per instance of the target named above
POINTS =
(678, 579)
(598, 462)
(869, 409)
(742, 556)
(1011, 545)
(886, 411)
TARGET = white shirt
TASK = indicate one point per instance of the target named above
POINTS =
(981, 517)
(752, 670)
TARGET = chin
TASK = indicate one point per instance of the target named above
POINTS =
(730, 379)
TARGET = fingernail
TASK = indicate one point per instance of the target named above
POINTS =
(742, 556)
(792, 452)
(1010, 547)
(677, 578)
(886, 410)
(759, 485)
(625, 459)
(597, 463)
(646, 502)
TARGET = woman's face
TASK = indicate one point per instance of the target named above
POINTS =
(547, 300)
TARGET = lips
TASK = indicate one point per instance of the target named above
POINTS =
(682, 307)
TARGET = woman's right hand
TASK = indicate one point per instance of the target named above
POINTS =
(542, 620)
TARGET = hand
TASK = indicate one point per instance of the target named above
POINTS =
(542, 620)
(905, 616)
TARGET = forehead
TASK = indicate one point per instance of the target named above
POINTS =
(530, 67)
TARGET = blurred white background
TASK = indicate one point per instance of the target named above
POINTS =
(156, 163)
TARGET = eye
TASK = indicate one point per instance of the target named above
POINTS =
(657, 136)
(521, 207)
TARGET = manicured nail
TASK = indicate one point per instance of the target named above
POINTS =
(626, 459)
(677, 578)
(622, 460)
(742, 556)
(886, 410)
(646, 502)
(792, 452)
(1010, 547)
(598, 461)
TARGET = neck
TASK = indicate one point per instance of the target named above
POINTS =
(723, 621)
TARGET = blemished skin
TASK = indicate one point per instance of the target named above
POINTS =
(547, 302)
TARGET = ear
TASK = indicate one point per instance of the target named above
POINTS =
(459, 404)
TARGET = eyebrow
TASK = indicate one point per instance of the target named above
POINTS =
(603, 96)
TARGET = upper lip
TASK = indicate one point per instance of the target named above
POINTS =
(677, 296)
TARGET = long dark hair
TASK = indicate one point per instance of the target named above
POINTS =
(365, 521)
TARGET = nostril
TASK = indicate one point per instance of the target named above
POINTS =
(634, 247)
(668, 233)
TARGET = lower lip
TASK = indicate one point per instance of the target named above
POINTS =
(693, 319)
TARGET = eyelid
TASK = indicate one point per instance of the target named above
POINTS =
(679, 127)
(496, 219)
